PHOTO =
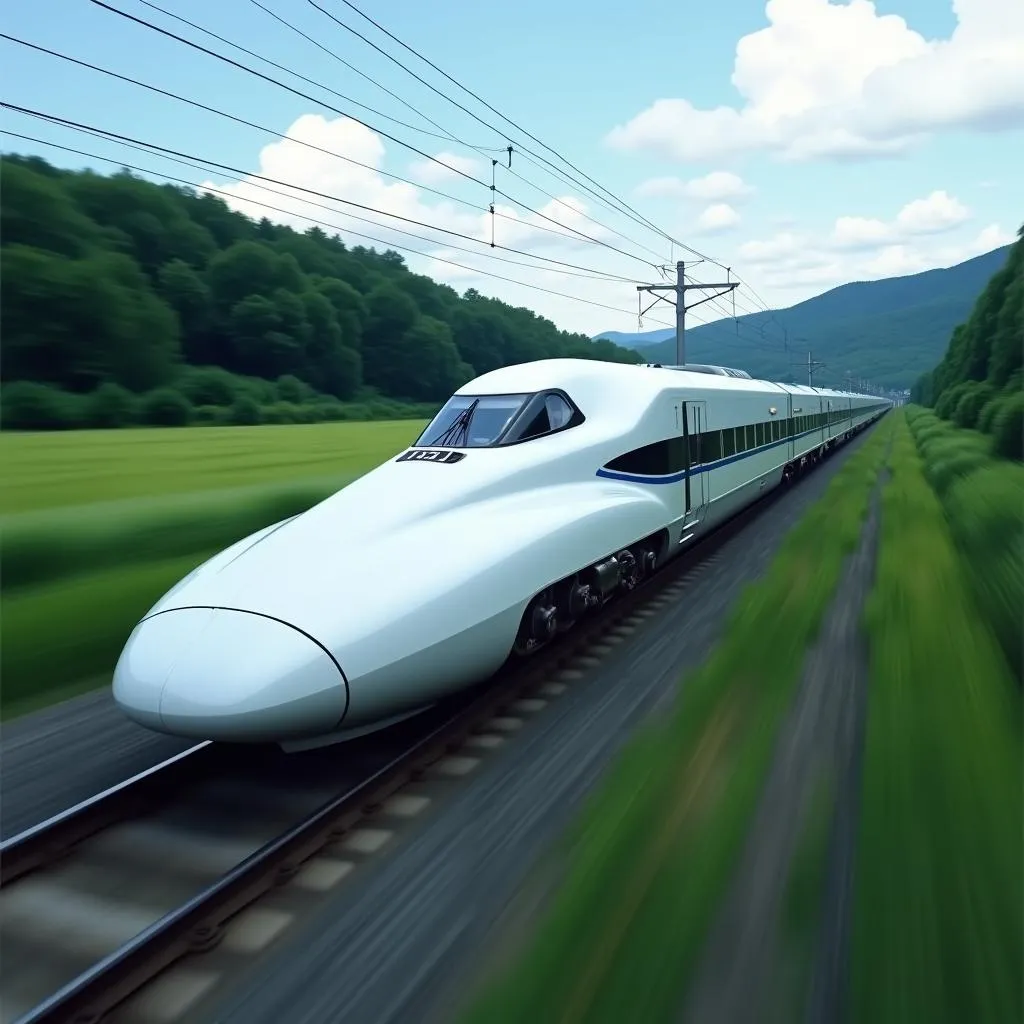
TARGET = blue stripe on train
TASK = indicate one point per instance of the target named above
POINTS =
(674, 478)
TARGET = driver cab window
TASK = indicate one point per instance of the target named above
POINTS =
(468, 421)
(541, 417)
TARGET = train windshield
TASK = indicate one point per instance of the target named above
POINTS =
(471, 422)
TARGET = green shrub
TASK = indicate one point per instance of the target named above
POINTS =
(984, 514)
(949, 399)
(111, 405)
(1008, 428)
(292, 390)
(26, 405)
(245, 412)
(209, 385)
(209, 415)
(970, 405)
(165, 407)
(988, 414)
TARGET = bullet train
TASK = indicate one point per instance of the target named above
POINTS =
(536, 494)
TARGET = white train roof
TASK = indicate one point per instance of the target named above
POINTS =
(583, 379)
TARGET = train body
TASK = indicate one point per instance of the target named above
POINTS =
(537, 493)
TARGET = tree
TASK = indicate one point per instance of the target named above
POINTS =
(113, 280)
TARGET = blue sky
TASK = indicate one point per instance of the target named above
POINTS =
(843, 117)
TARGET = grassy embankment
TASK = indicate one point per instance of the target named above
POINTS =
(938, 897)
(96, 525)
(658, 842)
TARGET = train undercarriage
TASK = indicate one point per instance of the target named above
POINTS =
(559, 607)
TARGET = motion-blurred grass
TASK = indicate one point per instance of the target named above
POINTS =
(45, 471)
(659, 840)
(99, 524)
(983, 500)
(938, 896)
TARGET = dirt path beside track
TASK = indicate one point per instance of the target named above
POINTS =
(777, 949)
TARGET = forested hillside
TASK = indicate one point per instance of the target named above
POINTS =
(126, 301)
(888, 331)
(978, 383)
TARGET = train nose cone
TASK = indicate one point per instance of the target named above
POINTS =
(228, 675)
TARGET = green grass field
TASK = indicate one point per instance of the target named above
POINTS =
(938, 892)
(96, 525)
(46, 471)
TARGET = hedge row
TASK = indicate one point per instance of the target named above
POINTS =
(976, 405)
(982, 497)
(658, 842)
(204, 396)
(938, 892)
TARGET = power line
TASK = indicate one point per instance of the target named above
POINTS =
(406, 145)
(270, 131)
(623, 206)
(243, 174)
(449, 136)
(239, 120)
(314, 220)
(465, 109)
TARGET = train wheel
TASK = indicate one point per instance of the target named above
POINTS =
(539, 625)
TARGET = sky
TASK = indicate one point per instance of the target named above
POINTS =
(794, 145)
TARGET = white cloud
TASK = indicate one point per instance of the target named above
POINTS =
(838, 80)
(431, 172)
(804, 264)
(938, 212)
(714, 187)
(932, 215)
(717, 218)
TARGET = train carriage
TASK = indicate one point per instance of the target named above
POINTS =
(537, 493)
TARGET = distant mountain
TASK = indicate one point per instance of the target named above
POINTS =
(890, 331)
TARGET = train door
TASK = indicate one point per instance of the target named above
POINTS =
(791, 430)
(694, 423)
(823, 420)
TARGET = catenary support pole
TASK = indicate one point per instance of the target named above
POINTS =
(680, 288)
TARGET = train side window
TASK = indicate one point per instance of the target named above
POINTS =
(651, 460)
(728, 442)
(749, 444)
(711, 446)
(758, 435)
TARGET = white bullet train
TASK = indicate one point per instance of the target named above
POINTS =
(537, 493)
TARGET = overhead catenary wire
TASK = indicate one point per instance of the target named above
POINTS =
(243, 174)
(407, 145)
(314, 220)
(584, 272)
(447, 136)
(240, 120)
(624, 207)
(482, 150)
(483, 210)
(198, 165)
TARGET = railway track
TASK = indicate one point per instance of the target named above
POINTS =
(97, 901)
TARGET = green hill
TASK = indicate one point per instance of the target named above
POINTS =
(890, 331)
